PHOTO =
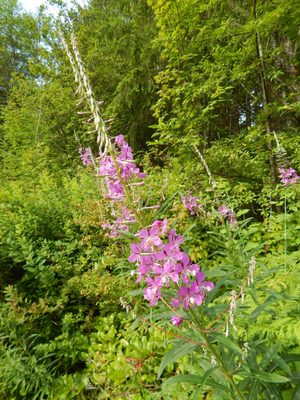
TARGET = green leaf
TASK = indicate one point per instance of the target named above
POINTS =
(260, 308)
(291, 357)
(178, 351)
(127, 234)
(137, 292)
(228, 343)
(296, 394)
(269, 377)
(216, 385)
(190, 378)
(187, 378)
(166, 204)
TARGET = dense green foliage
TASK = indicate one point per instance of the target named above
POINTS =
(207, 94)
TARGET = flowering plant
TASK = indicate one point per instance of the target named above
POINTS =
(204, 312)
(163, 264)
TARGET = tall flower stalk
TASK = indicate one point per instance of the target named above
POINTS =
(86, 93)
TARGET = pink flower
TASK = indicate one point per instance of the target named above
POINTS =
(107, 167)
(86, 156)
(118, 169)
(227, 213)
(190, 203)
(120, 140)
(150, 239)
(224, 210)
(160, 227)
(189, 271)
(115, 189)
(166, 272)
(288, 176)
(205, 286)
(135, 255)
(153, 292)
(165, 264)
(176, 320)
(190, 296)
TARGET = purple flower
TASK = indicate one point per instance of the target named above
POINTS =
(153, 292)
(120, 140)
(288, 176)
(189, 271)
(224, 210)
(193, 294)
(150, 239)
(166, 272)
(118, 169)
(227, 213)
(174, 239)
(146, 264)
(86, 156)
(205, 286)
(115, 189)
(107, 167)
(160, 227)
(176, 320)
(175, 303)
(164, 264)
(127, 167)
(190, 203)
(144, 269)
(135, 255)
(170, 255)
(190, 296)
(120, 224)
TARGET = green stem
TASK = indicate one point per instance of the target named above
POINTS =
(285, 232)
(219, 360)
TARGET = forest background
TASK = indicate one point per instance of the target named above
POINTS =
(207, 93)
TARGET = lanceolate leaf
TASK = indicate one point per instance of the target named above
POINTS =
(190, 378)
(228, 343)
(178, 351)
(273, 378)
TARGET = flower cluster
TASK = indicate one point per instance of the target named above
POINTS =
(118, 169)
(227, 213)
(162, 264)
(190, 203)
(288, 176)
(86, 156)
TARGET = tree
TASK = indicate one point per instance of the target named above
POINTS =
(230, 73)
(115, 39)
(19, 38)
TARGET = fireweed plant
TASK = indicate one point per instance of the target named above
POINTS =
(232, 366)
